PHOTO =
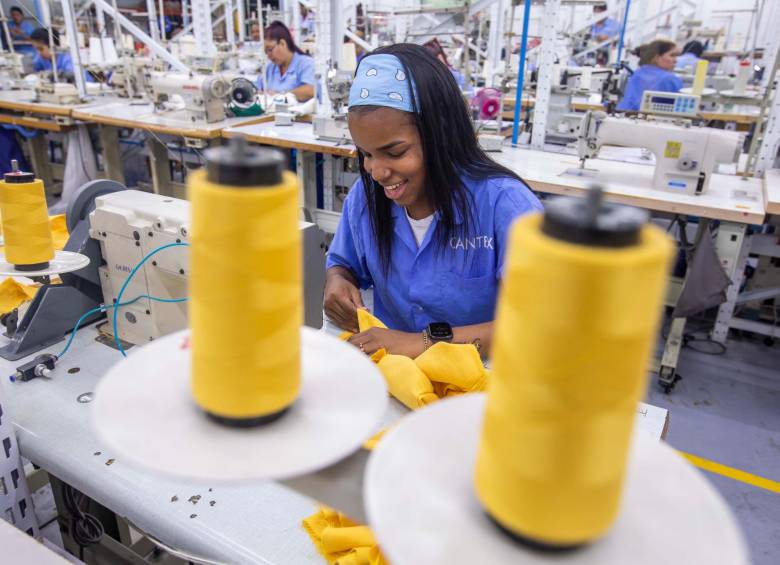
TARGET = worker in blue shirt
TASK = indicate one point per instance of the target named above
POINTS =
(42, 60)
(656, 65)
(605, 27)
(307, 21)
(289, 68)
(426, 223)
(434, 48)
(20, 31)
(690, 57)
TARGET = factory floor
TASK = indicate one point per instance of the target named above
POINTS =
(726, 409)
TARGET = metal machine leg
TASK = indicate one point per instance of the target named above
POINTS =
(733, 247)
(112, 159)
(161, 167)
(39, 155)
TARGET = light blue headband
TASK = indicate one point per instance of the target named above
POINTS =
(381, 81)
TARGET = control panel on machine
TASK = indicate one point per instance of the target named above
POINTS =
(670, 104)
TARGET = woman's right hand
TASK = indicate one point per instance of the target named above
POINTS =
(342, 299)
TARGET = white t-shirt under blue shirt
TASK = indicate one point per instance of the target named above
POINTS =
(419, 227)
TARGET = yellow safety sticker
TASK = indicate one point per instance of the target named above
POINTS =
(673, 149)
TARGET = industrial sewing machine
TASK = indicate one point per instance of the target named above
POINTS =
(130, 224)
(334, 127)
(13, 67)
(204, 96)
(130, 77)
(56, 92)
(685, 156)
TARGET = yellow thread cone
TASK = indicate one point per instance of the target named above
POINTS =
(574, 331)
(246, 307)
(700, 77)
(25, 220)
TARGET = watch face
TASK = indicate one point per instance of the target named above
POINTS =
(440, 330)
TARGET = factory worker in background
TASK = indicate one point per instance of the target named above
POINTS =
(426, 223)
(656, 72)
(289, 69)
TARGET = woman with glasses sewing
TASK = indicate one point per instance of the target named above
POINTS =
(289, 69)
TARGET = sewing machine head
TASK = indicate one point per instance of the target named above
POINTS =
(204, 96)
(338, 84)
(685, 156)
(50, 92)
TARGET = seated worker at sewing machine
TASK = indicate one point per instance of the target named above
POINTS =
(20, 31)
(42, 60)
(656, 65)
(691, 55)
(289, 69)
(434, 48)
(426, 223)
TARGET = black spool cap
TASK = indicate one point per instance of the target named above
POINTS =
(592, 222)
(15, 176)
(238, 164)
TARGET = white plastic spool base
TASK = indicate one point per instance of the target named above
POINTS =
(422, 508)
(63, 262)
(144, 410)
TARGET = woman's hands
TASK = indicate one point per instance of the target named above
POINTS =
(342, 299)
(394, 342)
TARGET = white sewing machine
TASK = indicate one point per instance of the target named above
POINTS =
(131, 76)
(334, 127)
(12, 70)
(129, 224)
(204, 96)
(56, 92)
(685, 156)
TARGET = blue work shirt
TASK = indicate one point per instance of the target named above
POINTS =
(64, 65)
(27, 28)
(300, 72)
(459, 78)
(455, 283)
(648, 77)
(687, 61)
(608, 27)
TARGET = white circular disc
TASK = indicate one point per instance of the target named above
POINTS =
(422, 508)
(63, 262)
(704, 91)
(144, 409)
(732, 94)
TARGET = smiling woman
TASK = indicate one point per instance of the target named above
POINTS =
(425, 225)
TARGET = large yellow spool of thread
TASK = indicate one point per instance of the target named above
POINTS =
(575, 325)
(245, 285)
(25, 218)
(700, 77)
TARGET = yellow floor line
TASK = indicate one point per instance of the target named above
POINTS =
(731, 473)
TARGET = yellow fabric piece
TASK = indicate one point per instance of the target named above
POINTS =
(340, 540)
(366, 321)
(13, 294)
(373, 441)
(574, 331)
(59, 231)
(406, 381)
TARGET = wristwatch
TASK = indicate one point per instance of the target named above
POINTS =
(438, 331)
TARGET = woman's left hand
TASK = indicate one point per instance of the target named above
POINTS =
(395, 342)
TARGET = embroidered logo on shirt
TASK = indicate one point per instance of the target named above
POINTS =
(478, 242)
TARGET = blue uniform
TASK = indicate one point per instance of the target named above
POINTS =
(300, 72)
(687, 61)
(648, 77)
(459, 78)
(27, 28)
(64, 65)
(457, 284)
(608, 27)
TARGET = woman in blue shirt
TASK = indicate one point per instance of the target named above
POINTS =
(656, 65)
(20, 30)
(289, 69)
(691, 55)
(42, 60)
(426, 224)
(434, 48)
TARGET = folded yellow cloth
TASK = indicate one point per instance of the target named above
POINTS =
(13, 294)
(444, 369)
(340, 540)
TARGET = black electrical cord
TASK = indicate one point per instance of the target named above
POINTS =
(85, 529)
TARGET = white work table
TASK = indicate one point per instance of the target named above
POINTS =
(772, 191)
(730, 198)
(248, 523)
(299, 135)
